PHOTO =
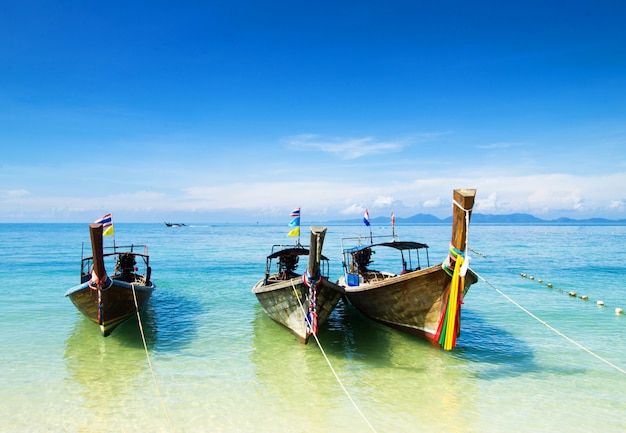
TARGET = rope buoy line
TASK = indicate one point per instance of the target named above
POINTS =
(330, 365)
(145, 346)
(478, 253)
(571, 293)
(546, 324)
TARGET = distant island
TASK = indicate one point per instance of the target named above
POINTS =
(477, 218)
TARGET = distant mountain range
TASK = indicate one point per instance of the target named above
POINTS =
(477, 218)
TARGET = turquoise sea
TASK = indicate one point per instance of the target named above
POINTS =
(530, 357)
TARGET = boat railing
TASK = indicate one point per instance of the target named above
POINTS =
(351, 270)
(278, 247)
(120, 249)
(127, 249)
(274, 259)
(355, 268)
(140, 251)
(368, 239)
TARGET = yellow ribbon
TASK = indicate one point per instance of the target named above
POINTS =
(457, 281)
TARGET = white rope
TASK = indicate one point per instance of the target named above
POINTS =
(621, 370)
(459, 206)
(329, 364)
(466, 256)
(145, 346)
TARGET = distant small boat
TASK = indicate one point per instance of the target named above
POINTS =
(109, 301)
(174, 224)
(299, 302)
(421, 301)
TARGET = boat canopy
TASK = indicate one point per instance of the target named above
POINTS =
(356, 260)
(399, 245)
(297, 251)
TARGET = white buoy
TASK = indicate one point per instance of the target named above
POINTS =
(531, 277)
(619, 311)
(584, 297)
(550, 285)
(600, 303)
(572, 293)
(540, 281)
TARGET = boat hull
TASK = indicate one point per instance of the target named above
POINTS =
(112, 306)
(286, 302)
(413, 302)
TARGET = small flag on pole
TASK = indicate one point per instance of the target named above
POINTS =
(295, 222)
(107, 224)
(366, 218)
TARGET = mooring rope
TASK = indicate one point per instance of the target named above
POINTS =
(571, 293)
(145, 346)
(319, 344)
(553, 329)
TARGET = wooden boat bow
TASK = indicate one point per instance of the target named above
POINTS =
(99, 274)
(461, 213)
(315, 252)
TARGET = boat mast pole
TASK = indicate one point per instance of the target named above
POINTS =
(463, 202)
(95, 231)
(315, 251)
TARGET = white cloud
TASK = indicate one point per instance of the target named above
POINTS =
(353, 209)
(488, 204)
(346, 148)
(432, 203)
(13, 193)
(499, 145)
(383, 201)
(619, 205)
(331, 194)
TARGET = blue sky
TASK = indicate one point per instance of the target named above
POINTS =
(239, 111)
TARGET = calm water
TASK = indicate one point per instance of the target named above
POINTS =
(221, 365)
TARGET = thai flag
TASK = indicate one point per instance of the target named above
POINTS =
(295, 221)
(106, 221)
(107, 224)
(366, 218)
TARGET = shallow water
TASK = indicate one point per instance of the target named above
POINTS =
(217, 363)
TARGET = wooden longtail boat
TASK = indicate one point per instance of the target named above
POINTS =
(422, 301)
(109, 301)
(299, 302)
